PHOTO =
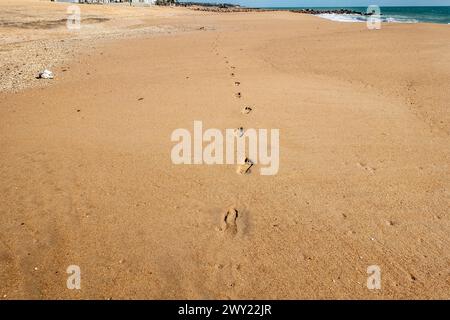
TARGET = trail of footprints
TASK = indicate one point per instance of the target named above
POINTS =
(245, 167)
(229, 225)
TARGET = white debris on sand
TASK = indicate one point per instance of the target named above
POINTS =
(46, 74)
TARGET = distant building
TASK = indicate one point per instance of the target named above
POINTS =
(143, 2)
(134, 2)
(89, 1)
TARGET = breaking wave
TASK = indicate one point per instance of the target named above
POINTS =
(360, 18)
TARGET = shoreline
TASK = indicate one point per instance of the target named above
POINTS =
(346, 14)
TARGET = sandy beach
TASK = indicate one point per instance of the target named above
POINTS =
(87, 177)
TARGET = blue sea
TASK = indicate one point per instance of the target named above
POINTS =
(388, 14)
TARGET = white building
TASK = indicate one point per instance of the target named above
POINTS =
(143, 2)
(133, 2)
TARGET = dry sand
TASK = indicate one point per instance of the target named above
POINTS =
(87, 178)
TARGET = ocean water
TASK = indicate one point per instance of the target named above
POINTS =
(389, 14)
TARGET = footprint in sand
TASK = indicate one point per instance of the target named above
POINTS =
(239, 132)
(237, 83)
(246, 110)
(245, 168)
(390, 223)
(238, 95)
(228, 224)
(366, 167)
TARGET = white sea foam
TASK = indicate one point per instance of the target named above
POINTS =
(399, 20)
(359, 18)
(343, 17)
